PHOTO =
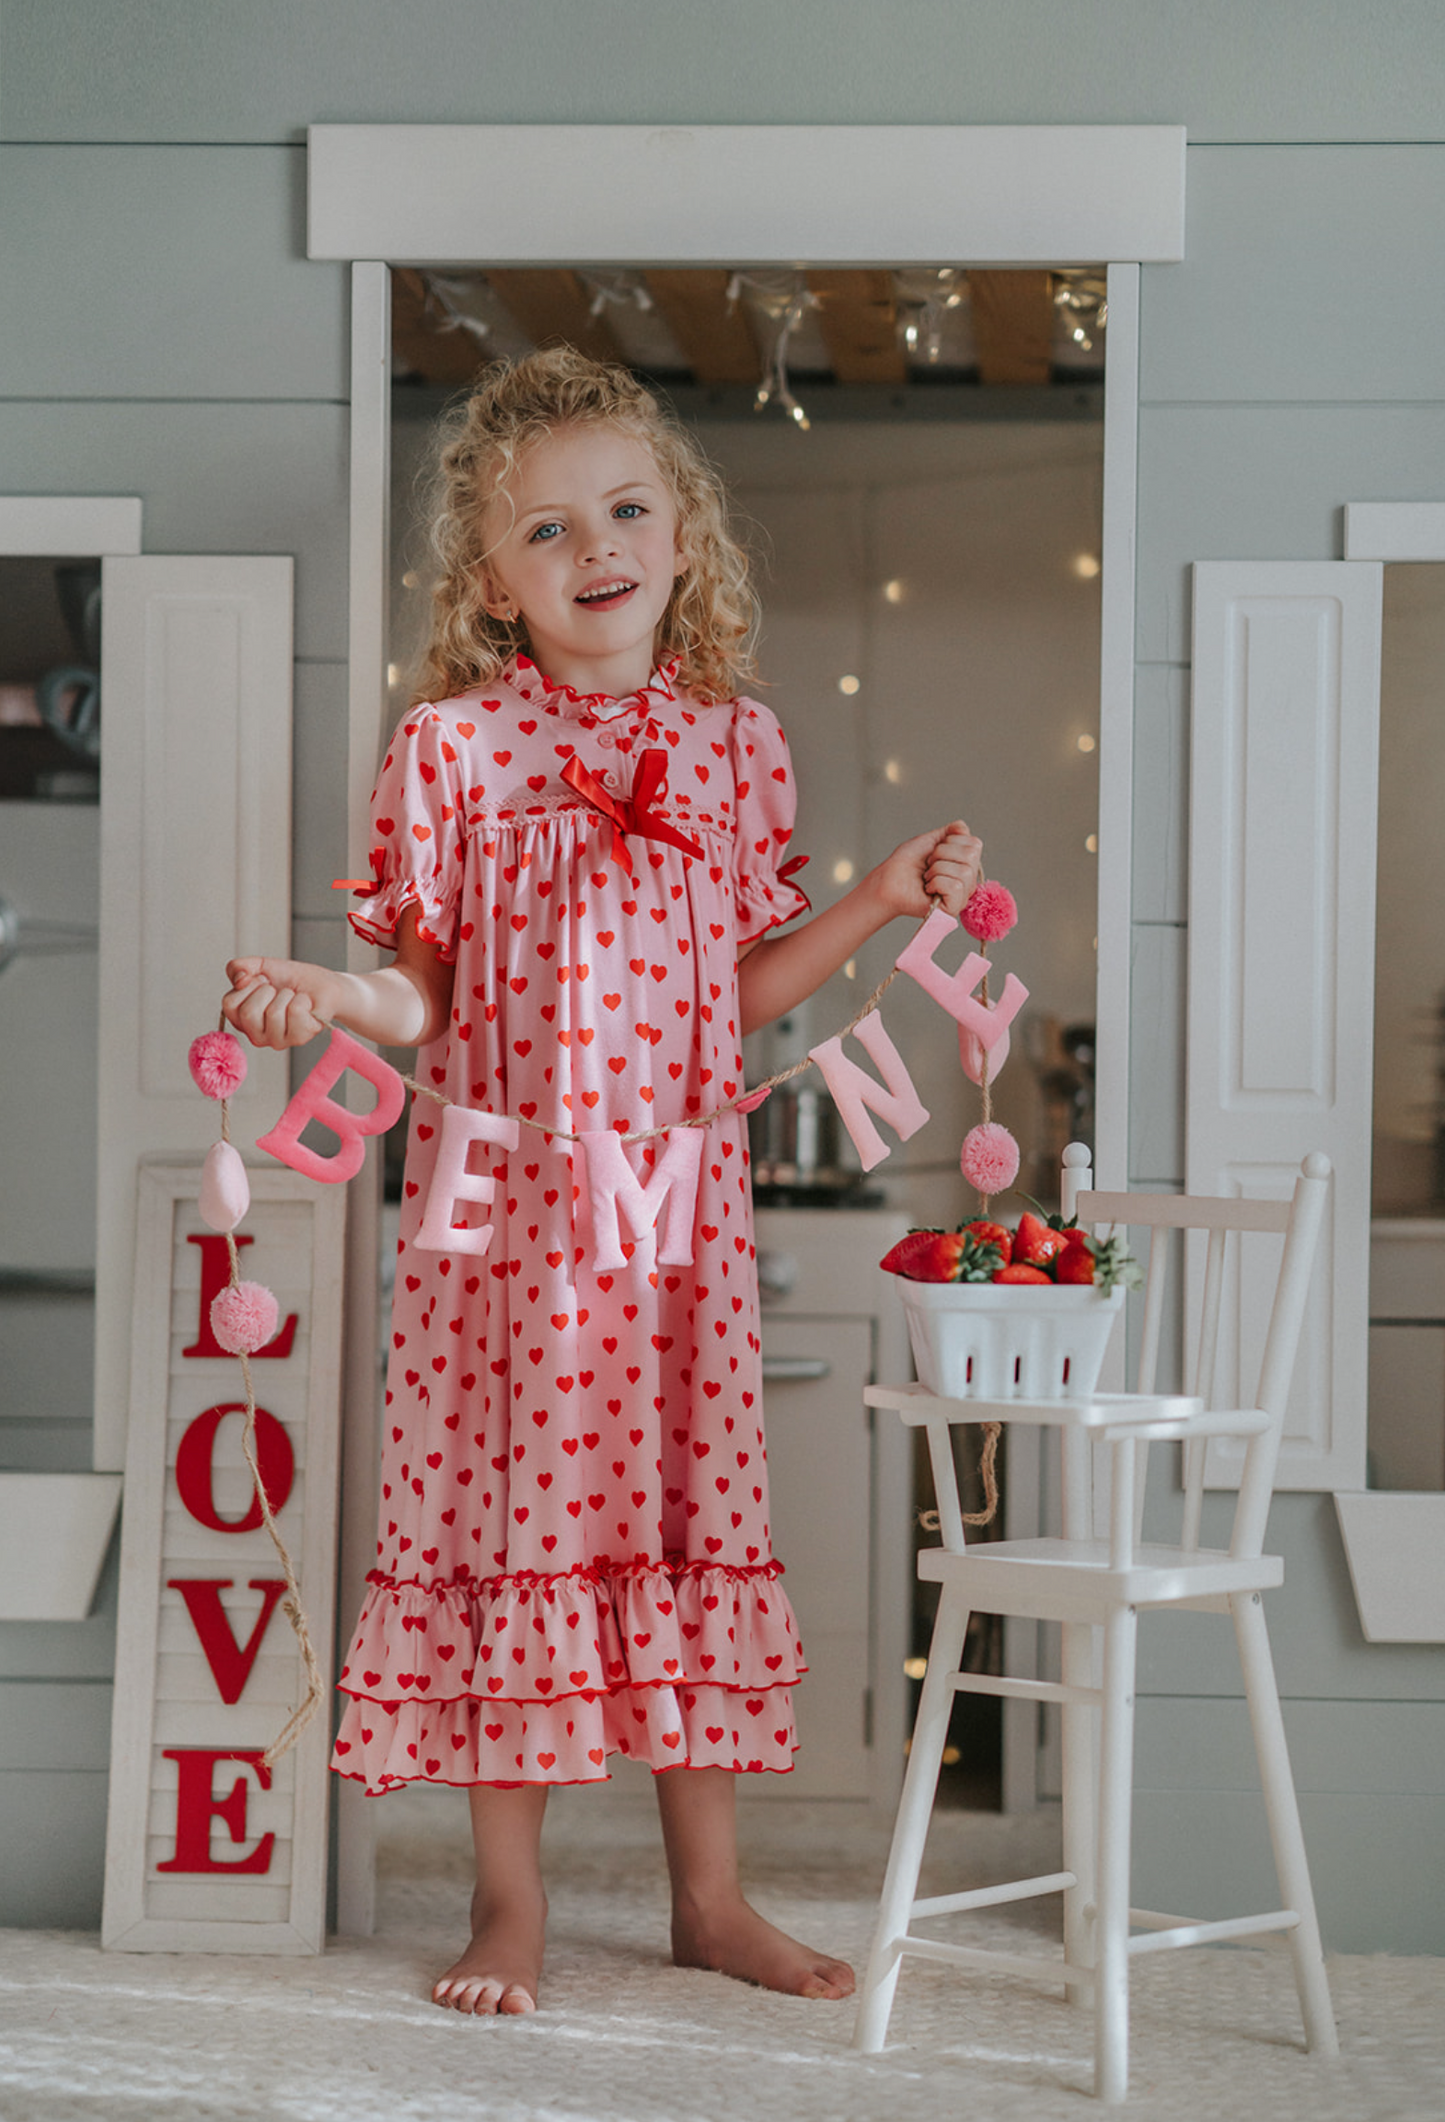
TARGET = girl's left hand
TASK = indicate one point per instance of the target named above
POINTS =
(945, 864)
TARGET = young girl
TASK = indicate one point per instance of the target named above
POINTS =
(577, 838)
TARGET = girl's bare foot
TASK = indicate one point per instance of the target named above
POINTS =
(500, 1969)
(733, 1939)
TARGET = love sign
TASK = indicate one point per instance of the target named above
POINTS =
(209, 1849)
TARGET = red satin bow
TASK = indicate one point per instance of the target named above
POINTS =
(634, 813)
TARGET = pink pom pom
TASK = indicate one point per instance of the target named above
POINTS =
(243, 1317)
(218, 1064)
(990, 1158)
(755, 1098)
(990, 913)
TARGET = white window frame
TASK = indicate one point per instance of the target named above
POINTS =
(1016, 196)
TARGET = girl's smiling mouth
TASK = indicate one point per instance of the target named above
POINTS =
(604, 595)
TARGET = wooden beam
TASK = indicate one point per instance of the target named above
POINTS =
(553, 308)
(418, 344)
(714, 335)
(859, 322)
(1013, 325)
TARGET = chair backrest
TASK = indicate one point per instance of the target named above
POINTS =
(1223, 1218)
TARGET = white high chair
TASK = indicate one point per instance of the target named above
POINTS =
(1095, 1579)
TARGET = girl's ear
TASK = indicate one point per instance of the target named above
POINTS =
(495, 599)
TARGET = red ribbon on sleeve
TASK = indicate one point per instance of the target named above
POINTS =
(634, 813)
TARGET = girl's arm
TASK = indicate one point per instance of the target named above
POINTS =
(281, 1002)
(777, 973)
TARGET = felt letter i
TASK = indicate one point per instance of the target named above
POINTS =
(853, 1090)
(452, 1182)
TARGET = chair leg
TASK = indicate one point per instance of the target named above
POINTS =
(1116, 1791)
(1080, 1736)
(1282, 1811)
(910, 1831)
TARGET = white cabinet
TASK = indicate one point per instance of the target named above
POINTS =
(840, 1489)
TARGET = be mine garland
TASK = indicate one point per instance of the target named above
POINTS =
(659, 1212)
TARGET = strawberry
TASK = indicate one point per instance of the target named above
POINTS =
(1021, 1271)
(1076, 1262)
(1035, 1244)
(993, 1234)
(926, 1256)
(980, 1256)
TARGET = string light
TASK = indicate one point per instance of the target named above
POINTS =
(924, 298)
(623, 290)
(785, 303)
(444, 299)
(1082, 300)
(849, 684)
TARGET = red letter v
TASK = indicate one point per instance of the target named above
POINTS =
(230, 1661)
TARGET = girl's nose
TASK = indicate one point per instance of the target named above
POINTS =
(600, 543)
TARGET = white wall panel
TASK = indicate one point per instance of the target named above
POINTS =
(1281, 958)
(1296, 70)
(1161, 793)
(1264, 482)
(1253, 312)
(1156, 1052)
(164, 272)
(223, 478)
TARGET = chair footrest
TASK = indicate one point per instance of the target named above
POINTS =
(1182, 1934)
(1025, 1690)
(1028, 1966)
(1056, 1882)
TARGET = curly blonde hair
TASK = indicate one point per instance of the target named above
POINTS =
(711, 618)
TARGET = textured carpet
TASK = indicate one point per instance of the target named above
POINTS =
(625, 2037)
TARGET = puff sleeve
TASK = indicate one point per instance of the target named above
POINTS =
(417, 836)
(763, 896)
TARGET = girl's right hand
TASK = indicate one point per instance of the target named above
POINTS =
(279, 1002)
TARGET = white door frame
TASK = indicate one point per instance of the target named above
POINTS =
(834, 195)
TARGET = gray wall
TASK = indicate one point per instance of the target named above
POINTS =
(165, 336)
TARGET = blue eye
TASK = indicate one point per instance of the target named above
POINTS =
(629, 509)
(544, 533)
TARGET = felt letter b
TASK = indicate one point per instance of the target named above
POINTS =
(313, 1102)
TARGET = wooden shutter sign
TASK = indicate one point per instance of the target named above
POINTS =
(207, 1849)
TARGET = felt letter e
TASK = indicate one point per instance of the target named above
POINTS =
(452, 1182)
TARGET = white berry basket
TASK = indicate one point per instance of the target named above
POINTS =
(1001, 1341)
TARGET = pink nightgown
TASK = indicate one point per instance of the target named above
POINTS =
(574, 1554)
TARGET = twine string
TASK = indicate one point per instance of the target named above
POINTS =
(291, 1604)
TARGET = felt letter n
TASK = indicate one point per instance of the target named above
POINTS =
(895, 1099)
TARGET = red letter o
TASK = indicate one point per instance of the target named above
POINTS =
(193, 1467)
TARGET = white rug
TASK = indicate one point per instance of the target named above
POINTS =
(625, 2037)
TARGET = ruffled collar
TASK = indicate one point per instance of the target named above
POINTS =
(524, 677)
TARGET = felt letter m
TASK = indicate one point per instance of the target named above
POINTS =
(612, 1184)
(895, 1099)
